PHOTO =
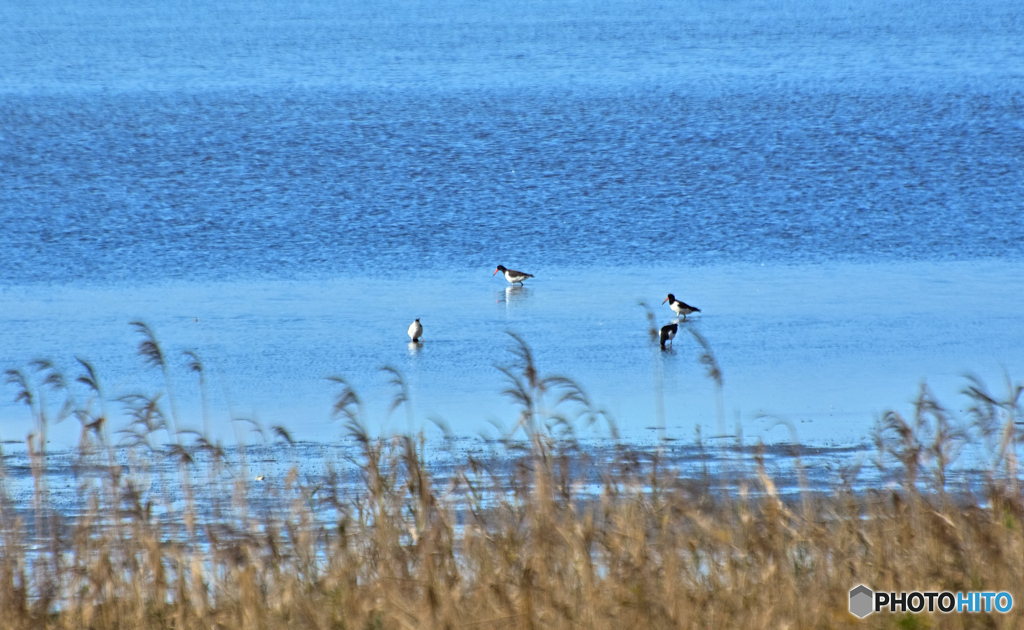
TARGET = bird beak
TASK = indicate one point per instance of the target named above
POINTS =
(665, 300)
(495, 271)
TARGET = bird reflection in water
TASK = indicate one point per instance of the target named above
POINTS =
(415, 348)
(513, 295)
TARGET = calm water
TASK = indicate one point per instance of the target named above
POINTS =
(285, 186)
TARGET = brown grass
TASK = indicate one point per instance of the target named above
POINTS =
(519, 541)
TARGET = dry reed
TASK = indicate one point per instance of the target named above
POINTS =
(545, 534)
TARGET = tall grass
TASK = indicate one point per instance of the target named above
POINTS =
(540, 531)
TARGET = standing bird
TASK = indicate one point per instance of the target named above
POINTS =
(416, 330)
(512, 275)
(681, 308)
(668, 331)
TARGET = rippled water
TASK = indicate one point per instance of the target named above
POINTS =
(319, 184)
(284, 186)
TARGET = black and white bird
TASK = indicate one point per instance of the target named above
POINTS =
(668, 331)
(416, 330)
(681, 308)
(513, 276)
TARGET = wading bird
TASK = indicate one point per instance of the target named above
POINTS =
(512, 275)
(416, 330)
(681, 308)
(668, 331)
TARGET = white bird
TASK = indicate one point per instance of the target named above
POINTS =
(512, 275)
(681, 308)
(416, 330)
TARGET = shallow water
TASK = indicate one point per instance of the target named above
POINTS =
(827, 347)
(284, 187)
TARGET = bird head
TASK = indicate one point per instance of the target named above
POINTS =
(500, 268)
(670, 298)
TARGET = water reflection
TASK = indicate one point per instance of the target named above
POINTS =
(415, 347)
(513, 295)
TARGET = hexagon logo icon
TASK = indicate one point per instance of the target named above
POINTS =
(860, 601)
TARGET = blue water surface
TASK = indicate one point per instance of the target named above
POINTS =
(284, 186)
